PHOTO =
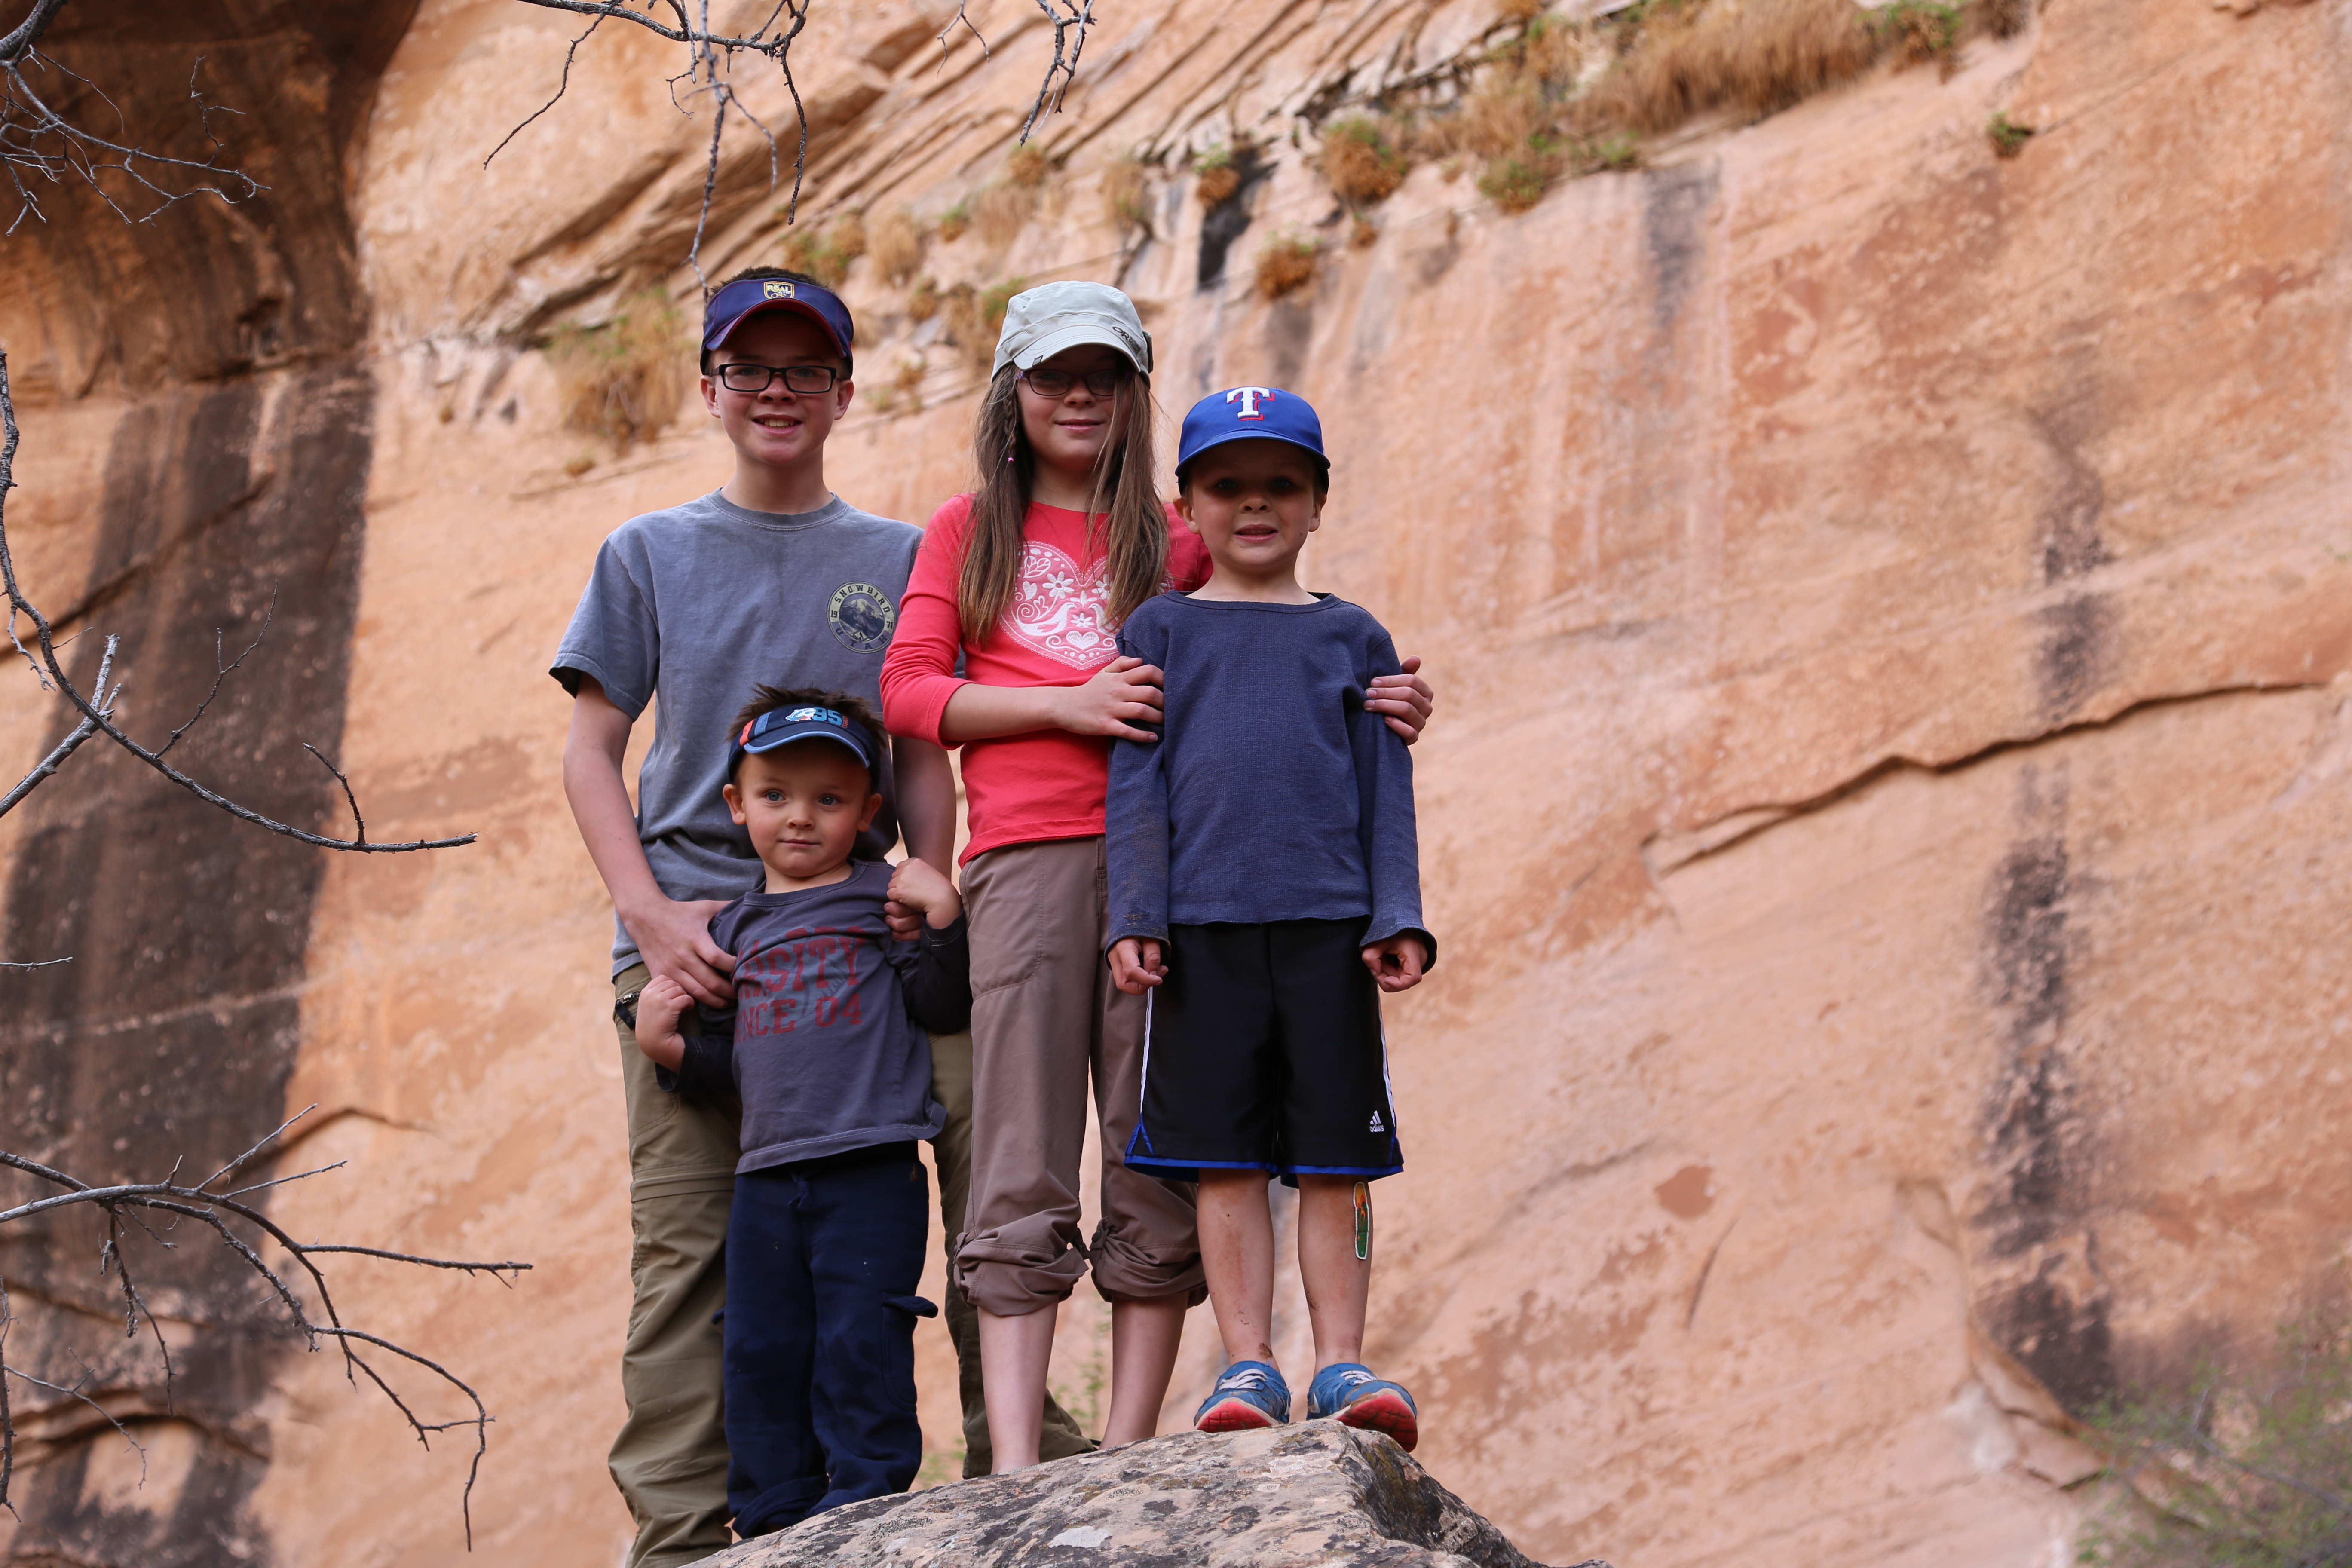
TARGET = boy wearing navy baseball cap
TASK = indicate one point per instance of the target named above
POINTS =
(1265, 890)
(824, 1048)
(771, 572)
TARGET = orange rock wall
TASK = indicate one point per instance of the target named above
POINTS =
(1887, 814)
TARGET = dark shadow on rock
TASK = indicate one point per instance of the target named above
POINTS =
(237, 478)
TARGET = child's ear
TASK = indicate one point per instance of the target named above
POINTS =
(1184, 509)
(873, 805)
(735, 803)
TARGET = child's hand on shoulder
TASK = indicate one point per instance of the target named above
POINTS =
(1136, 965)
(919, 894)
(659, 1006)
(1397, 962)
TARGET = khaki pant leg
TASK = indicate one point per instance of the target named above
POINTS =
(1031, 911)
(952, 1087)
(670, 1457)
(1147, 1246)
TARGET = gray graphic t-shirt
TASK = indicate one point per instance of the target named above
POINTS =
(688, 609)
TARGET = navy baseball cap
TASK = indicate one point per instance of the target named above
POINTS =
(1247, 413)
(746, 297)
(779, 726)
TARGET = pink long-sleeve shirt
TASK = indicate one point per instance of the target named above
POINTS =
(1048, 784)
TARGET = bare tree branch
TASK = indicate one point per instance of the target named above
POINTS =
(96, 706)
(710, 58)
(562, 86)
(987, 54)
(220, 671)
(38, 141)
(72, 743)
(709, 71)
(219, 1211)
(1079, 13)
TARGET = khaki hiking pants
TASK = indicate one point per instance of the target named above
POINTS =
(1045, 1019)
(669, 1459)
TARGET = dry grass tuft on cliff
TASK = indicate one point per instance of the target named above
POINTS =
(1218, 172)
(1286, 265)
(1363, 158)
(1000, 212)
(1027, 165)
(975, 316)
(825, 252)
(624, 379)
(894, 241)
(1124, 204)
(1759, 56)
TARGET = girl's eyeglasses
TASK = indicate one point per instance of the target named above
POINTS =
(800, 378)
(1048, 383)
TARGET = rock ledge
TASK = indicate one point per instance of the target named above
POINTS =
(1315, 1494)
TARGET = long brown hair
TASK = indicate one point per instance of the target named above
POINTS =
(1136, 521)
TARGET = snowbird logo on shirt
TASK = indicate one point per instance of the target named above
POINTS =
(1248, 396)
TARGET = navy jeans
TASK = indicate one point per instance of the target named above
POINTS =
(822, 1260)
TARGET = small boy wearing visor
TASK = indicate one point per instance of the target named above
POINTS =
(824, 1044)
(1265, 890)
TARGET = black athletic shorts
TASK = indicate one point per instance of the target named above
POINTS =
(1262, 1051)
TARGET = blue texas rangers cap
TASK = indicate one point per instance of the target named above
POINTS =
(1250, 413)
(779, 726)
(746, 297)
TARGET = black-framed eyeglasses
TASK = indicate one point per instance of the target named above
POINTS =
(1048, 383)
(802, 378)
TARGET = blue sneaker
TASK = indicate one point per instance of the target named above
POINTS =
(1249, 1395)
(1352, 1393)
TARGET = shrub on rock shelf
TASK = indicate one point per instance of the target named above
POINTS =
(825, 251)
(894, 241)
(1219, 174)
(624, 379)
(1286, 266)
(1124, 204)
(1361, 160)
(2235, 1472)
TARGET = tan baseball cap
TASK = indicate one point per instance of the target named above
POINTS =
(1041, 322)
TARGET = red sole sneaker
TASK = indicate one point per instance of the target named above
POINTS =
(1384, 1412)
(1232, 1415)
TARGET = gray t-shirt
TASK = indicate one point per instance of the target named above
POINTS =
(692, 607)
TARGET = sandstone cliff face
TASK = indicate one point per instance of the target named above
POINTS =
(1887, 814)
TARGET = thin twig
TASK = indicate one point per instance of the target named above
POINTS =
(221, 672)
(358, 840)
(561, 86)
(96, 712)
(1081, 15)
(987, 57)
(65, 748)
(215, 1211)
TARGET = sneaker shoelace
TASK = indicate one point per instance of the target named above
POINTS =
(1247, 1377)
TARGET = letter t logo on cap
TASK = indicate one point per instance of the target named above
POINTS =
(1249, 397)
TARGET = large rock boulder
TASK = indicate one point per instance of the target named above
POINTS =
(1320, 1493)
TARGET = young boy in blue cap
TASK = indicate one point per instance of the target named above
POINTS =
(823, 1047)
(1265, 890)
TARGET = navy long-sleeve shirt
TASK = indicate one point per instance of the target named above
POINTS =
(1271, 795)
(822, 1042)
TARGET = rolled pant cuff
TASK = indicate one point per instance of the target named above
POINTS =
(1014, 1287)
(1127, 1271)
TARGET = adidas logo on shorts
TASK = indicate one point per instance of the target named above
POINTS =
(1376, 1126)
